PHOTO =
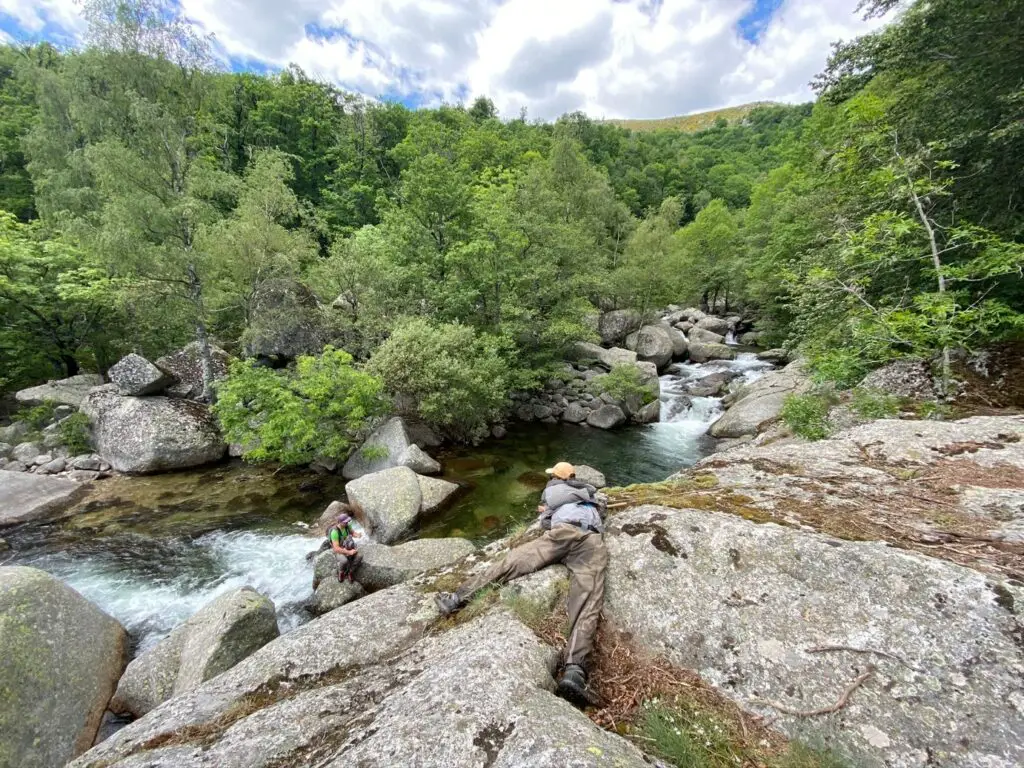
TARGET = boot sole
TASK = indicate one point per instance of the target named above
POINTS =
(575, 695)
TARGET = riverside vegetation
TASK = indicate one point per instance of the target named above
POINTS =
(152, 199)
(785, 604)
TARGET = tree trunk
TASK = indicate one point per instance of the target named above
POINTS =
(195, 289)
(936, 254)
(70, 364)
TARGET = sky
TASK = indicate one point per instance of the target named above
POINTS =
(609, 58)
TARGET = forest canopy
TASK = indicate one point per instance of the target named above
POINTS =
(150, 199)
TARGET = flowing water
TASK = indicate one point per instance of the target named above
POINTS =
(151, 551)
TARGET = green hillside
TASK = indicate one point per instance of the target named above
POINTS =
(692, 123)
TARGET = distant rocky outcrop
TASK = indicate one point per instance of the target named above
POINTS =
(186, 366)
(616, 325)
(60, 659)
(902, 378)
(214, 639)
(652, 344)
(134, 375)
(287, 321)
(70, 391)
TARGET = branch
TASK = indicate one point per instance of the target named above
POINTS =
(843, 700)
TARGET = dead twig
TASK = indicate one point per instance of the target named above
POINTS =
(843, 700)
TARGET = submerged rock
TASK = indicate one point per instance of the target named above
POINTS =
(134, 375)
(364, 686)
(390, 499)
(26, 496)
(70, 391)
(773, 614)
(60, 658)
(152, 434)
(218, 636)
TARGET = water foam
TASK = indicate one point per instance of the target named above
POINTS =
(150, 602)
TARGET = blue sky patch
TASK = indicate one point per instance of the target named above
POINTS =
(756, 21)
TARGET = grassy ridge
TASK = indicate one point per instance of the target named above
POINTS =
(691, 123)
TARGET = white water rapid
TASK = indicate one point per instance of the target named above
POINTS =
(153, 589)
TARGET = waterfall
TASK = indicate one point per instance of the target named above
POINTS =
(730, 338)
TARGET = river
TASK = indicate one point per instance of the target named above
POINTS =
(152, 550)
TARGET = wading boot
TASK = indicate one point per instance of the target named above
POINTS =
(447, 603)
(573, 686)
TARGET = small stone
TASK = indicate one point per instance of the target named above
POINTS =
(498, 432)
(40, 460)
(52, 467)
(86, 461)
(16, 466)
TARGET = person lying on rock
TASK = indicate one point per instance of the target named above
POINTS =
(570, 514)
(341, 537)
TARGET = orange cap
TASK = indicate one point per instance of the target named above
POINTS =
(563, 470)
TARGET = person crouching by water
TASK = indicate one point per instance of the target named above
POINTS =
(570, 513)
(341, 538)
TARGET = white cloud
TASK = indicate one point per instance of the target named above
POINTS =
(612, 58)
(36, 16)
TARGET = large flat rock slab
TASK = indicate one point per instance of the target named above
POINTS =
(25, 497)
(784, 621)
(374, 684)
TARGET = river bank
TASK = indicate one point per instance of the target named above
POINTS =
(152, 550)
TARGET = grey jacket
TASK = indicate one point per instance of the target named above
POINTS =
(570, 501)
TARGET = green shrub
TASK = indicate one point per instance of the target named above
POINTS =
(624, 382)
(74, 433)
(874, 403)
(842, 367)
(807, 415)
(319, 409)
(445, 374)
(38, 416)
